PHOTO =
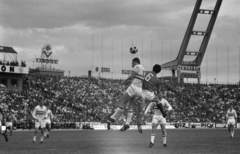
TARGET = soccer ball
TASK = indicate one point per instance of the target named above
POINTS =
(133, 50)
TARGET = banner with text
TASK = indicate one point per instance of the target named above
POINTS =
(105, 69)
(188, 68)
(14, 69)
(189, 75)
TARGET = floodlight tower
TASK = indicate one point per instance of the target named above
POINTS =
(183, 67)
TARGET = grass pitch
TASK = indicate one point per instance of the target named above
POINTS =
(182, 141)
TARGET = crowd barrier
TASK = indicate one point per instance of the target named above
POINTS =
(103, 126)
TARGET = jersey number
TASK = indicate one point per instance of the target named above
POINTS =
(148, 77)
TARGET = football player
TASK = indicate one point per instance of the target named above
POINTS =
(48, 120)
(3, 128)
(9, 122)
(231, 119)
(39, 114)
(151, 83)
(158, 119)
(134, 90)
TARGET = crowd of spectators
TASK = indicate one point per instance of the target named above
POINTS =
(13, 63)
(78, 99)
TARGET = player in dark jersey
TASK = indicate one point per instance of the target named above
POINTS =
(3, 128)
(9, 122)
(151, 84)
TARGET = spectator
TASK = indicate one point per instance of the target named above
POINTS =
(75, 99)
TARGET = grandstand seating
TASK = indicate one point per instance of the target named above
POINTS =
(74, 99)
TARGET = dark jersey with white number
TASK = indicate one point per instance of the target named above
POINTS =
(151, 81)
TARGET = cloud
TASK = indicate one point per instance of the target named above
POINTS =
(79, 29)
(92, 13)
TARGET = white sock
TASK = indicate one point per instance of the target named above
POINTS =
(164, 139)
(117, 113)
(129, 117)
(152, 137)
(42, 138)
(34, 138)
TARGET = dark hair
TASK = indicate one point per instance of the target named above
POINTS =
(157, 68)
(137, 60)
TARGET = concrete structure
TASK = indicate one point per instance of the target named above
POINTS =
(11, 73)
(43, 71)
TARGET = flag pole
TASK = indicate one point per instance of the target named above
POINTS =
(92, 55)
(228, 64)
(142, 50)
(112, 57)
(217, 63)
(102, 56)
(206, 68)
(122, 57)
(162, 58)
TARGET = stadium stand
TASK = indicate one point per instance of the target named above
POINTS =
(79, 99)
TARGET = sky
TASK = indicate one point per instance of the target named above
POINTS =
(85, 34)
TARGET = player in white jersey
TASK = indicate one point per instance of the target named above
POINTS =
(231, 119)
(39, 114)
(134, 90)
(158, 119)
(48, 121)
(151, 84)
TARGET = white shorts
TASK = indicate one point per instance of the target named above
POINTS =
(231, 122)
(40, 123)
(9, 124)
(3, 129)
(133, 91)
(48, 121)
(158, 119)
(148, 95)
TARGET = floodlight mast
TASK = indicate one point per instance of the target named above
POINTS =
(179, 64)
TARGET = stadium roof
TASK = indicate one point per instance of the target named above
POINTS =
(5, 49)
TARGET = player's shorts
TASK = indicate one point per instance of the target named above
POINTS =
(158, 119)
(231, 122)
(148, 95)
(48, 121)
(9, 124)
(2, 128)
(40, 123)
(133, 91)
